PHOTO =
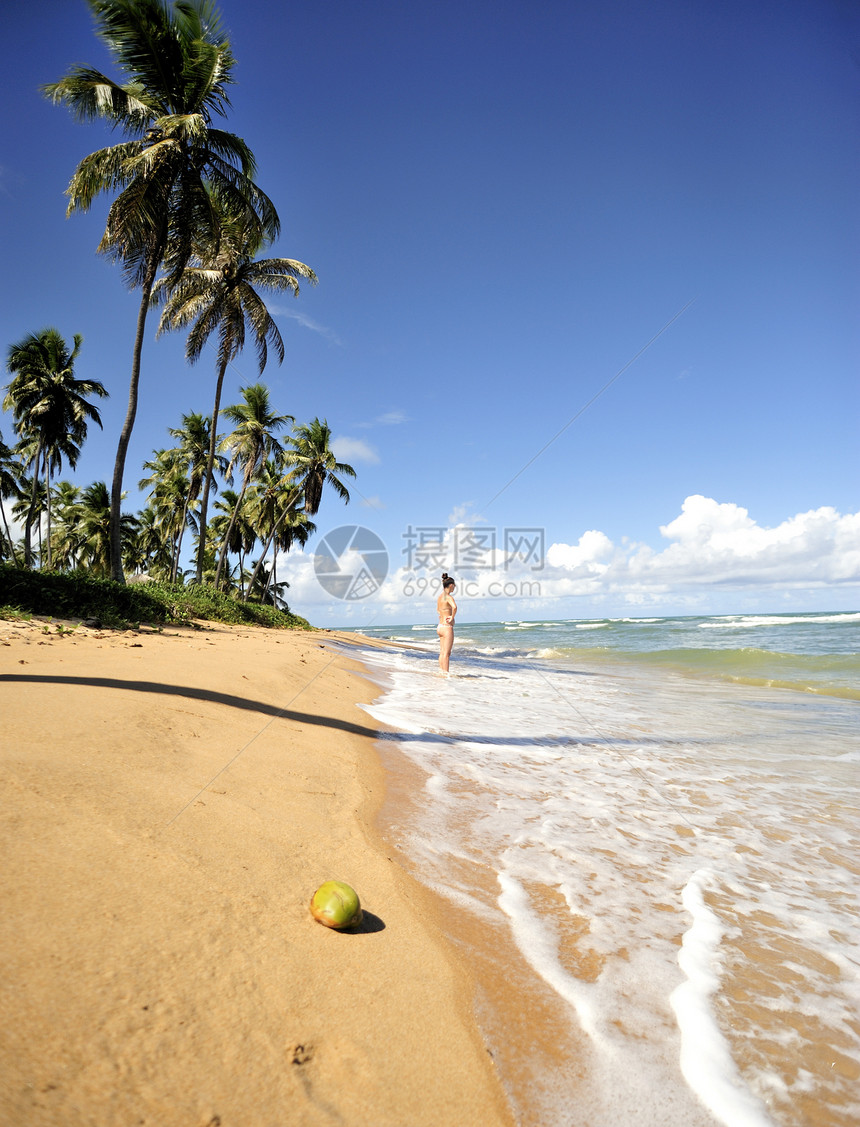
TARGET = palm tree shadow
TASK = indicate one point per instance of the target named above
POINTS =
(192, 692)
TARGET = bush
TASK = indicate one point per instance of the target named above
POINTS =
(78, 595)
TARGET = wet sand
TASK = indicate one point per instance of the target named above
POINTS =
(170, 801)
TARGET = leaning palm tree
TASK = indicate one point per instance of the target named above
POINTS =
(250, 443)
(175, 173)
(220, 296)
(315, 465)
(51, 410)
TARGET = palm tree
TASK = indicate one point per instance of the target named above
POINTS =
(220, 296)
(94, 524)
(315, 464)
(176, 174)
(50, 409)
(21, 507)
(65, 539)
(153, 555)
(195, 438)
(275, 497)
(168, 499)
(235, 527)
(265, 587)
(251, 442)
(11, 473)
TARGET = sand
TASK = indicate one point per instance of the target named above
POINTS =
(170, 802)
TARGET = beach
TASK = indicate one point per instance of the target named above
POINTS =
(171, 800)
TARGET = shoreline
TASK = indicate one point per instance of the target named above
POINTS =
(173, 799)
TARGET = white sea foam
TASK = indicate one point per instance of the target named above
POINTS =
(538, 948)
(742, 621)
(614, 792)
(706, 1062)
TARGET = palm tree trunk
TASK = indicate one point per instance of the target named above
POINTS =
(177, 548)
(28, 522)
(210, 470)
(48, 504)
(229, 531)
(272, 535)
(8, 534)
(125, 435)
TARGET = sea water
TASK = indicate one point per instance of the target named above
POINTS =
(647, 834)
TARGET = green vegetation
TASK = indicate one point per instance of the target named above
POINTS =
(77, 595)
(184, 206)
(51, 412)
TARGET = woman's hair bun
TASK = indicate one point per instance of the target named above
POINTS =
(444, 574)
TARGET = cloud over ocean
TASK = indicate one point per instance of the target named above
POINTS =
(713, 557)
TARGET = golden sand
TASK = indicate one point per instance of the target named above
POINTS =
(170, 802)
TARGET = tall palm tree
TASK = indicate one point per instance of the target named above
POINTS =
(315, 465)
(175, 173)
(11, 474)
(220, 296)
(250, 443)
(50, 408)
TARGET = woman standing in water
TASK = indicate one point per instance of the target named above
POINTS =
(447, 609)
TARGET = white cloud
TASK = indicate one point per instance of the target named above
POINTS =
(589, 554)
(392, 418)
(464, 514)
(306, 323)
(716, 544)
(354, 450)
(374, 502)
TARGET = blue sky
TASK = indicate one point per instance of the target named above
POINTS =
(505, 202)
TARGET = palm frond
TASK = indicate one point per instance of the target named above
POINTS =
(89, 94)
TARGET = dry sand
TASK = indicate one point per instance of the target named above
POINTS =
(170, 801)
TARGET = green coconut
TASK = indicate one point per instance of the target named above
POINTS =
(336, 904)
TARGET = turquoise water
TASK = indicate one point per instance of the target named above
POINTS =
(659, 818)
(817, 653)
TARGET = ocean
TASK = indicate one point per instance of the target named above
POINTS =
(645, 835)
